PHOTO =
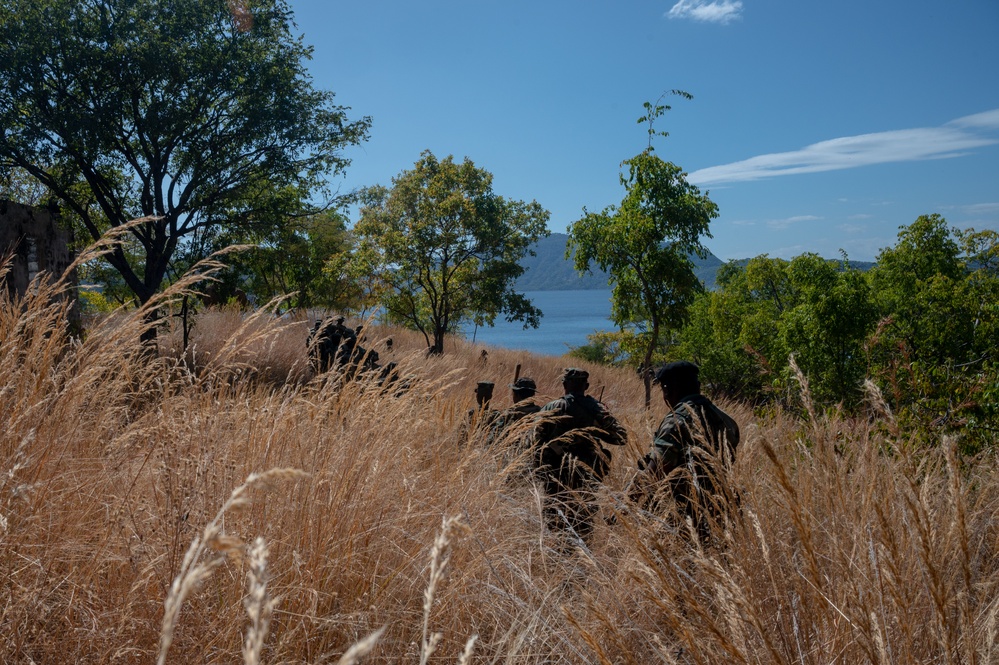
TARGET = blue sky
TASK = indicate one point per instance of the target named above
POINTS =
(815, 126)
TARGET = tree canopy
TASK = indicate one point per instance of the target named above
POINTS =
(198, 114)
(645, 243)
(921, 324)
(445, 247)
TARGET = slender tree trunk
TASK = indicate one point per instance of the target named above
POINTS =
(184, 311)
(148, 337)
(647, 363)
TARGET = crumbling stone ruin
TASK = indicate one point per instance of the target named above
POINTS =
(35, 241)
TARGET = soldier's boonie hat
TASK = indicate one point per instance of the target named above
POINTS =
(575, 374)
(484, 386)
(524, 383)
(339, 320)
(681, 371)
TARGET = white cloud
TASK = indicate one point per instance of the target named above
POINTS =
(717, 11)
(985, 120)
(905, 145)
(788, 221)
(982, 209)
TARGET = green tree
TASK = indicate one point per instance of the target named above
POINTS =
(826, 325)
(193, 113)
(743, 333)
(934, 352)
(306, 259)
(446, 248)
(644, 244)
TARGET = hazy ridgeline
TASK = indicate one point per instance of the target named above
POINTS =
(114, 469)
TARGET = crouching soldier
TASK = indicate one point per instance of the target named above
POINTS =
(691, 448)
(569, 454)
(523, 390)
(479, 421)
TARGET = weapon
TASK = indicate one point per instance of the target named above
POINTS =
(516, 373)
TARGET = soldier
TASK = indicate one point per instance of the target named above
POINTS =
(569, 455)
(523, 390)
(689, 450)
(481, 418)
(322, 344)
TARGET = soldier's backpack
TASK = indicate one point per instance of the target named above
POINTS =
(586, 428)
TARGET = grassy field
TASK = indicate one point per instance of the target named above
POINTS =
(230, 506)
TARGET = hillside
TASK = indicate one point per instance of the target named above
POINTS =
(549, 270)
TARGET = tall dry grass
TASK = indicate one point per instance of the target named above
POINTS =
(230, 506)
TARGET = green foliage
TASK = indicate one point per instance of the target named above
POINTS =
(618, 348)
(644, 244)
(444, 248)
(934, 353)
(819, 310)
(93, 301)
(185, 113)
(306, 259)
(654, 111)
(923, 324)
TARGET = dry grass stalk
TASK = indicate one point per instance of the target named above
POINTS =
(194, 571)
(111, 463)
(259, 607)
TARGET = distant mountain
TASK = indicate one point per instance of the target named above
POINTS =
(549, 270)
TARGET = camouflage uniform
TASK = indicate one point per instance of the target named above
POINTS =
(480, 420)
(323, 342)
(689, 450)
(523, 390)
(569, 455)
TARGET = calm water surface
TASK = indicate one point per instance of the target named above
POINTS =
(569, 316)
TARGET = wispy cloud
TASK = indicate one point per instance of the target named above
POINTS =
(982, 209)
(788, 221)
(953, 139)
(717, 11)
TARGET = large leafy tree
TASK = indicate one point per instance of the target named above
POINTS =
(306, 260)
(819, 310)
(194, 113)
(446, 248)
(935, 351)
(645, 243)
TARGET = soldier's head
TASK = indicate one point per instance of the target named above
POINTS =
(575, 381)
(523, 388)
(678, 380)
(483, 392)
(339, 320)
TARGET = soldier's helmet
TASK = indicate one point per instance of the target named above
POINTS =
(524, 384)
(680, 371)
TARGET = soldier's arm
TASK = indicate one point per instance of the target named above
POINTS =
(617, 435)
(667, 447)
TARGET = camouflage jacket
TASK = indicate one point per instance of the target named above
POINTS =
(509, 416)
(575, 427)
(693, 436)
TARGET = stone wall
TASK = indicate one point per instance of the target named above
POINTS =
(37, 241)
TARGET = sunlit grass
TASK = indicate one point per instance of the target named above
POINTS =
(130, 515)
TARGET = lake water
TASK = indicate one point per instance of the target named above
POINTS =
(569, 316)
